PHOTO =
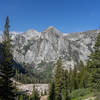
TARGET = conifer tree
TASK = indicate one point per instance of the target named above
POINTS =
(45, 92)
(80, 66)
(42, 94)
(70, 77)
(94, 66)
(7, 91)
(51, 92)
(58, 80)
(65, 80)
(81, 74)
(83, 83)
(35, 95)
(75, 78)
(65, 85)
(65, 95)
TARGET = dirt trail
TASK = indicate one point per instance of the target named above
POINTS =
(44, 97)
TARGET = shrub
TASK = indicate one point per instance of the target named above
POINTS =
(80, 93)
(98, 96)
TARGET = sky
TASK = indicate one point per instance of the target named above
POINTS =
(65, 15)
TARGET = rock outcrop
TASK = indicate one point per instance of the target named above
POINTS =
(32, 47)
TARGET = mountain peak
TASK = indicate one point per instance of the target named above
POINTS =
(31, 33)
(51, 28)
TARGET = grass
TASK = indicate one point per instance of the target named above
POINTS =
(81, 94)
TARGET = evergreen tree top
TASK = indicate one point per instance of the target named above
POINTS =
(6, 30)
(7, 22)
(97, 44)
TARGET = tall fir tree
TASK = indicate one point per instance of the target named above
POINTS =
(58, 80)
(65, 85)
(7, 91)
(35, 95)
(51, 91)
(70, 77)
(75, 78)
(82, 75)
(80, 66)
(83, 83)
(94, 66)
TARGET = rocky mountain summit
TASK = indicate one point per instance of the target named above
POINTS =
(34, 47)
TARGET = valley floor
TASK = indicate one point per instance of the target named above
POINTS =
(28, 88)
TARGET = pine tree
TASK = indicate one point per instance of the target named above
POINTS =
(45, 92)
(75, 78)
(61, 82)
(81, 66)
(35, 95)
(65, 95)
(58, 80)
(6, 68)
(65, 85)
(83, 75)
(94, 66)
(70, 77)
(51, 91)
(42, 94)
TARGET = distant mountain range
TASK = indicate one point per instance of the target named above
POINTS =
(33, 47)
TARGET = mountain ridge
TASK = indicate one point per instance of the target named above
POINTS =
(33, 47)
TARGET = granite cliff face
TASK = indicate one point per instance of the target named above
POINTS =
(32, 47)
